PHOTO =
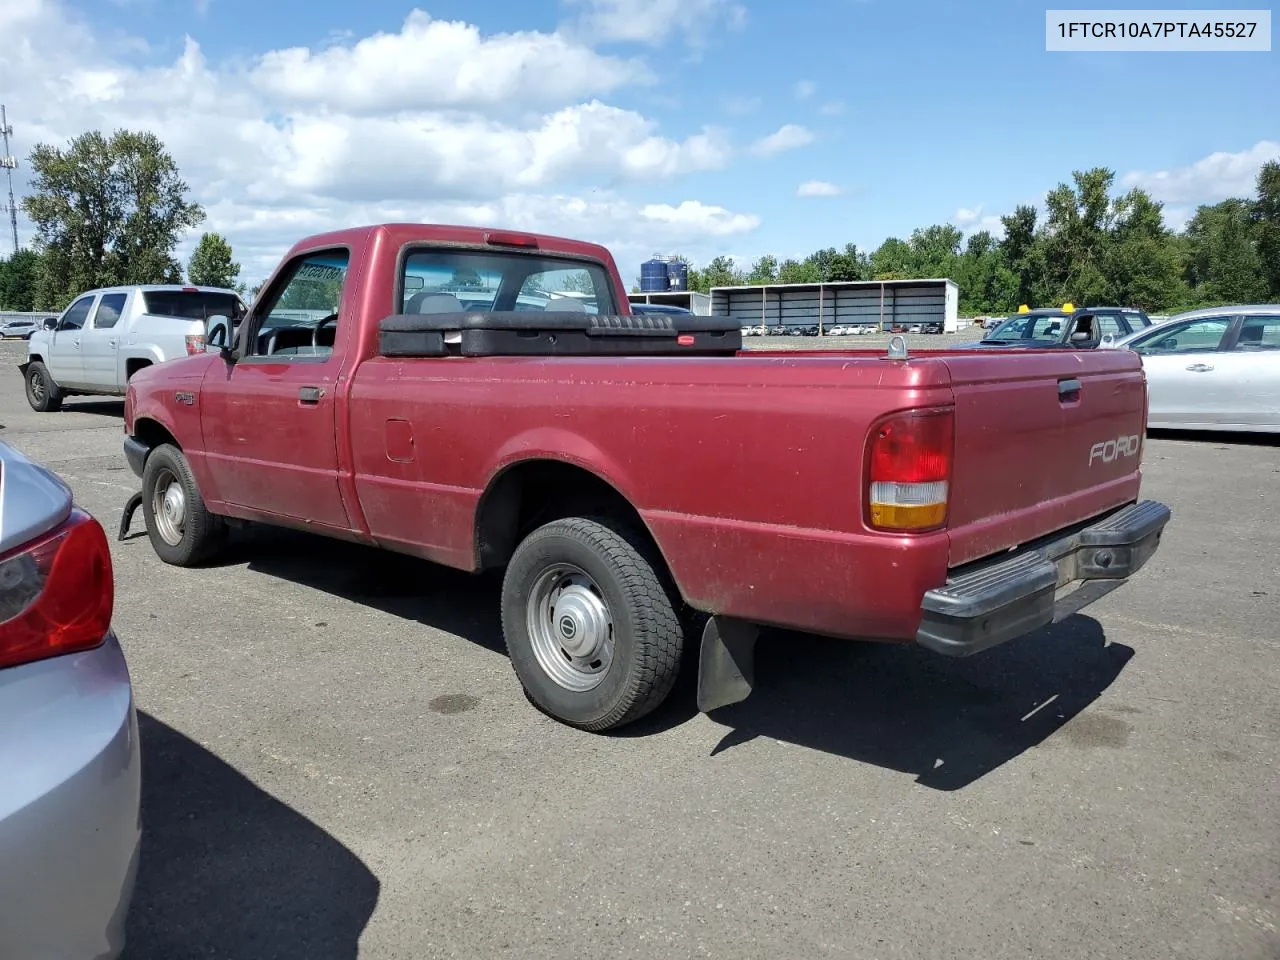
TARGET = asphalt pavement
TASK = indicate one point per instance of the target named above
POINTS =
(338, 762)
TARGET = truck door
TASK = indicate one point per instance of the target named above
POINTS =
(269, 418)
(65, 360)
(100, 343)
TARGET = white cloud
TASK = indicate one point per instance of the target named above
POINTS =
(1213, 178)
(833, 108)
(805, 89)
(789, 136)
(654, 21)
(437, 122)
(441, 64)
(972, 220)
(695, 218)
(818, 188)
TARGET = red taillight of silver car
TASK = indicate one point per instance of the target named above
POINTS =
(56, 593)
(195, 344)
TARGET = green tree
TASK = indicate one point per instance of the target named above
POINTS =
(1266, 219)
(1224, 264)
(211, 264)
(1021, 252)
(764, 270)
(107, 210)
(19, 278)
(891, 260)
(720, 272)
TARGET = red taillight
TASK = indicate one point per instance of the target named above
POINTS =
(909, 470)
(195, 344)
(56, 594)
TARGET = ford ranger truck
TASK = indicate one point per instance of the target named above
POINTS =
(486, 399)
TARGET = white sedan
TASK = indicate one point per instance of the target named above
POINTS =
(1213, 369)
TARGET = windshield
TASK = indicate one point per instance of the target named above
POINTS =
(191, 304)
(480, 280)
(1028, 327)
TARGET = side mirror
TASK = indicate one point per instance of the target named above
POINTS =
(51, 323)
(217, 331)
(1080, 336)
(218, 336)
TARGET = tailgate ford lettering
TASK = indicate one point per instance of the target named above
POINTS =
(1109, 450)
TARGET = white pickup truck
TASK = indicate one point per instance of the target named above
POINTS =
(107, 335)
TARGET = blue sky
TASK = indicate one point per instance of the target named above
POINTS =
(916, 114)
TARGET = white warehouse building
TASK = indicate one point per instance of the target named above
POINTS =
(883, 303)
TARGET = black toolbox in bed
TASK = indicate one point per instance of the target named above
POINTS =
(534, 333)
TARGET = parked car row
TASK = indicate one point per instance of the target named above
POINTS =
(20, 328)
(843, 330)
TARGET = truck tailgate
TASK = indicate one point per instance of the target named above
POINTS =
(1043, 440)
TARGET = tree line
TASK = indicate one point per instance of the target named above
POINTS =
(1090, 247)
(112, 209)
(108, 210)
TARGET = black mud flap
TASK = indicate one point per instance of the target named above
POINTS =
(726, 666)
(126, 518)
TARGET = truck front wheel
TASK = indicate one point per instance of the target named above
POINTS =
(591, 631)
(42, 393)
(182, 530)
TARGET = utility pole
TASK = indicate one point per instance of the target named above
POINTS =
(9, 163)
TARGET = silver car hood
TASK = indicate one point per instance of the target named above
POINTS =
(32, 499)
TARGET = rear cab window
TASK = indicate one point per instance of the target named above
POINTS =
(451, 280)
(192, 304)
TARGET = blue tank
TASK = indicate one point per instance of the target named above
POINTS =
(678, 272)
(653, 277)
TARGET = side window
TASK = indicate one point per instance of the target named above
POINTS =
(559, 290)
(299, 317)
(74, 318)
(109, 309)
(1259, 333)
(1109, 325)
(1195, 336)
(1136, 320)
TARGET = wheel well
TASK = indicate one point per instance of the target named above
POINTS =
(34, 357)
(134, 364)
(535, 492)
(151, 434)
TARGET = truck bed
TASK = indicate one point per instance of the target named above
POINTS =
(749, 470)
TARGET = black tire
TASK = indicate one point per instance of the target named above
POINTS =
(647, 636)
(202, 534)
(43, 394)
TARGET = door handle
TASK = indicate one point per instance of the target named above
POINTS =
(1200, 367)
(1068, 390)
(310, 394)
(113, 343)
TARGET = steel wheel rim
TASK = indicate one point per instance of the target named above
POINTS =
(169, 506)
(570, 627)
(35, 383)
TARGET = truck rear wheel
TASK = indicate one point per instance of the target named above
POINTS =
(42, 393)
(182, 530)
(591, 631)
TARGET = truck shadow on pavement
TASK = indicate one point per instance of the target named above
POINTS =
(948, 722)
(229, 871)
(464, 604)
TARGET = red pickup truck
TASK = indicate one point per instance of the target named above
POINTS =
(486, 399)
